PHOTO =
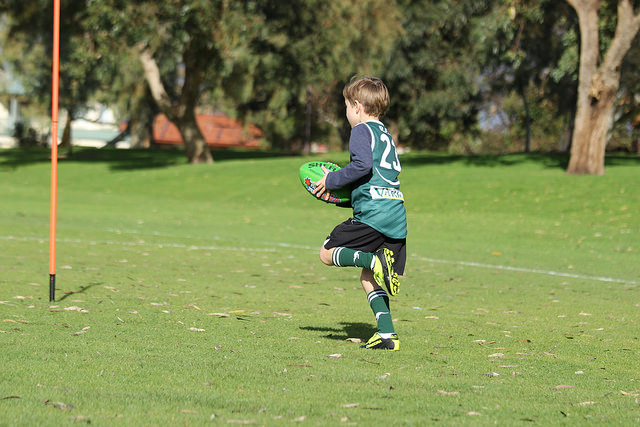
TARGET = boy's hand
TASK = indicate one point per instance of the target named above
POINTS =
(320, 184)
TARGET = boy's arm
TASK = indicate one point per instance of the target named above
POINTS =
(361, 163)
(361, 160)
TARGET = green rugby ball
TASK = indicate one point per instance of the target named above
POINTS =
(311, 172)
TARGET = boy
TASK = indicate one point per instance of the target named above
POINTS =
(374, 239)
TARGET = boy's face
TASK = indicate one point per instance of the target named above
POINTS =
(352, 112)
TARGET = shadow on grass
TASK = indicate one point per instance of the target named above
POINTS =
(547, 160)
(79, 291)
(119, 159)
(348, 330)
(132, 159)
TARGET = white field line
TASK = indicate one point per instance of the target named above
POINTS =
(274, 247)
(530, 270)
(141, 243)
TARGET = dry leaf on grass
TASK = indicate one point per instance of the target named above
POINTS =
(448, 393)
(76, 308)
(218, 314)
(335, 356)
(196, 329)
(350, 405)
(59, 405)
(562, 386)
(632, 394)
(281, 314)
(85, 329)
(587, 403)
(497, 355)
(356, 340)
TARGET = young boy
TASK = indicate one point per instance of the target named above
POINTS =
(374, 239)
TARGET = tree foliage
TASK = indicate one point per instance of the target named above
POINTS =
(82, 71)
(446, 63)
(433, 73)
(294, 66)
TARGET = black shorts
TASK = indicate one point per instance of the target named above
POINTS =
(355, 235)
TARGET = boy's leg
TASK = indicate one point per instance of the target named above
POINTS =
(354, 244)
(345, 257)
(386, 337)
(380, 262)
(379, 302)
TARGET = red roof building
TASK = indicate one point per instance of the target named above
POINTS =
(218, 130)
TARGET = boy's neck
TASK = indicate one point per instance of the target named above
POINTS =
(367, 118)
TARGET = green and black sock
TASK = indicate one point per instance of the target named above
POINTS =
(379, 302)
(345, 257)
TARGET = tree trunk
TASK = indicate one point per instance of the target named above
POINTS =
(527, 143)
(590, 135)
(65, 143)
(143, 112)
(140, 132)
(597, 86)
(197, 148)
(306, 149)
(181, 113)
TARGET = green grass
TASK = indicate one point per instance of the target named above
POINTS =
(193, 295)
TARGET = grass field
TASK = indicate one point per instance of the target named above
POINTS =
(192, 295)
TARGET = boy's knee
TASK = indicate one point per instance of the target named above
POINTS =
(326, 255)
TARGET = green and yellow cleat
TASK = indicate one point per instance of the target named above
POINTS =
(383, 272)
(376, 342)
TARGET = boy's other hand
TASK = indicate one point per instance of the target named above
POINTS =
(320, 184)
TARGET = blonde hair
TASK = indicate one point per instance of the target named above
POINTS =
(371, 92)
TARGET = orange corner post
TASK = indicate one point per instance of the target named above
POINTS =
(54, 149)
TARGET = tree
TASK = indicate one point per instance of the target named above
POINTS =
(289, 78)
(29, 49)
(183, 47)
(628, 111)
(433, 73)
(598, 82)
(527, 52)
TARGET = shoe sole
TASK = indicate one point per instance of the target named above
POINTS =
(395, 348)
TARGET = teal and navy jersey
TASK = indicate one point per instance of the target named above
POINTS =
(373, 176)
